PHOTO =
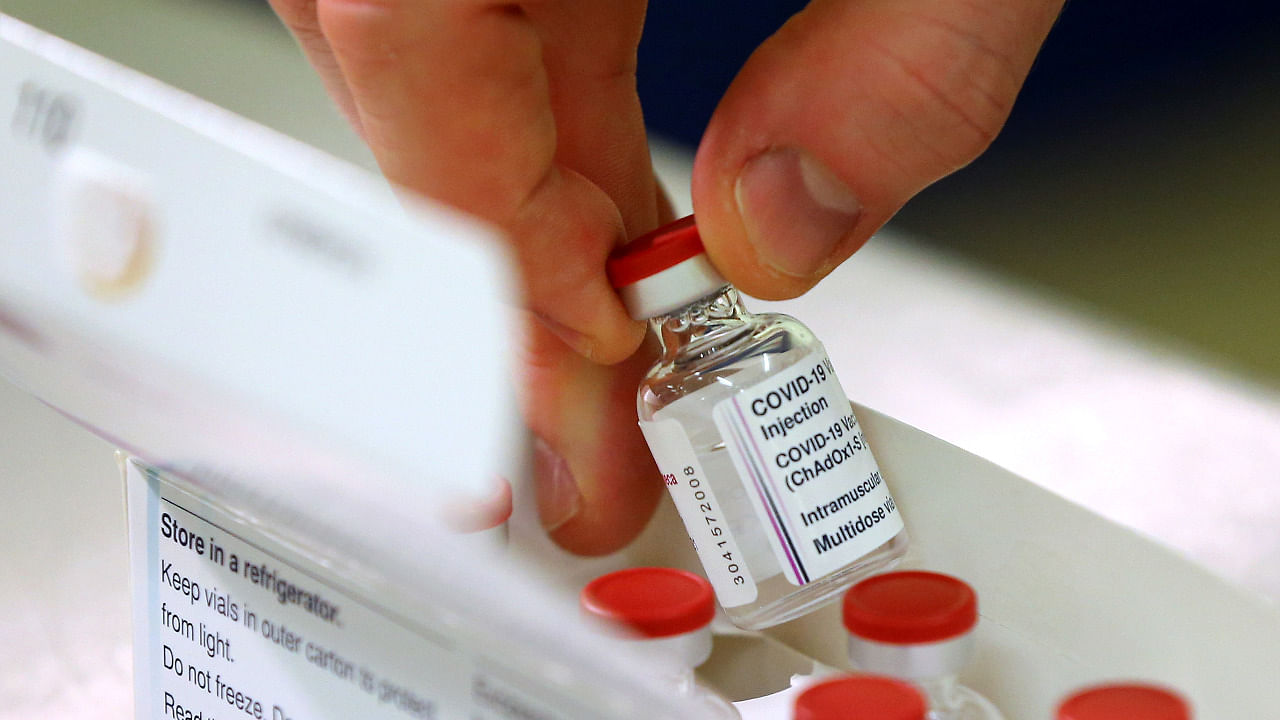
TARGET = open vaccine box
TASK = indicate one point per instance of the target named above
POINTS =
(308, 371)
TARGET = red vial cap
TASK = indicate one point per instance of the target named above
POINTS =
(1124, 702)
(656, 602)
(910, 607)
(654, 252)
(861, 697)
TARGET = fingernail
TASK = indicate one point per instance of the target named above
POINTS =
(579, 342)
(558, 496)
(477, 513)
(795, 210)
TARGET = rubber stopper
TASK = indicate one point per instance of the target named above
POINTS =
(861, 697)
(1125, 702)
(910, 607)
(654, 252)
(654, 601)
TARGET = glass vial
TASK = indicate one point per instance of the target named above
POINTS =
(860, 697)
(670, 613)
(1124, 701)
(918, 626)
(754, 437)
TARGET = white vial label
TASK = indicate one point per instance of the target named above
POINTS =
(812, 479)
(702, 513)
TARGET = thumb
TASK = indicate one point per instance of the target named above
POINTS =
(844, 114)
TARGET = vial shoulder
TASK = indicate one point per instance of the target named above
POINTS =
(786, 328)
(972, 705)
(770, 344)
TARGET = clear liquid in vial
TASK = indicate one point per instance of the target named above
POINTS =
(712, 350)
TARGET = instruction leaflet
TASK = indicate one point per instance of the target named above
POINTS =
(229, 624)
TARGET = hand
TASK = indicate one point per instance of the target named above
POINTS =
(843, 115)
(525, 114)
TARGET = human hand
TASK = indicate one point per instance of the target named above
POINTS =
(848, 111)
(525, 114)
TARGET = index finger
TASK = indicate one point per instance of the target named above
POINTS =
(456, 102)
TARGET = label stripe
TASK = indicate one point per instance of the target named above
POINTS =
(766, 498)
(763, 481)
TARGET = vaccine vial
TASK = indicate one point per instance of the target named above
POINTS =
(754, 438)
(1128, 701)
(860, 697)
(918, 626)
(670, 613)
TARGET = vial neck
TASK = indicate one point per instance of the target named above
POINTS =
(942, 693)
(704, 321)
(680, 679)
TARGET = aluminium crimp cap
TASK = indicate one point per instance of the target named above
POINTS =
(910, 607)
(663, 270)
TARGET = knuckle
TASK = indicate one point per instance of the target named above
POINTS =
(363, 32)
(296, 13)
(956, 89)
(358, 19)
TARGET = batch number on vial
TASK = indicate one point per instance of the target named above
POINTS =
(710, 515)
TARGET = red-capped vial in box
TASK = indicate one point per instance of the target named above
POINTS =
(754, 437)
(1125, 701)
(669, 613)
(918, 626)
(860, 697)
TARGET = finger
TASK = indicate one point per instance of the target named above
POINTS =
(300, 17)
(596, 483)
(589, 50)
(844, 114)
(455, 103)
(473, 514)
